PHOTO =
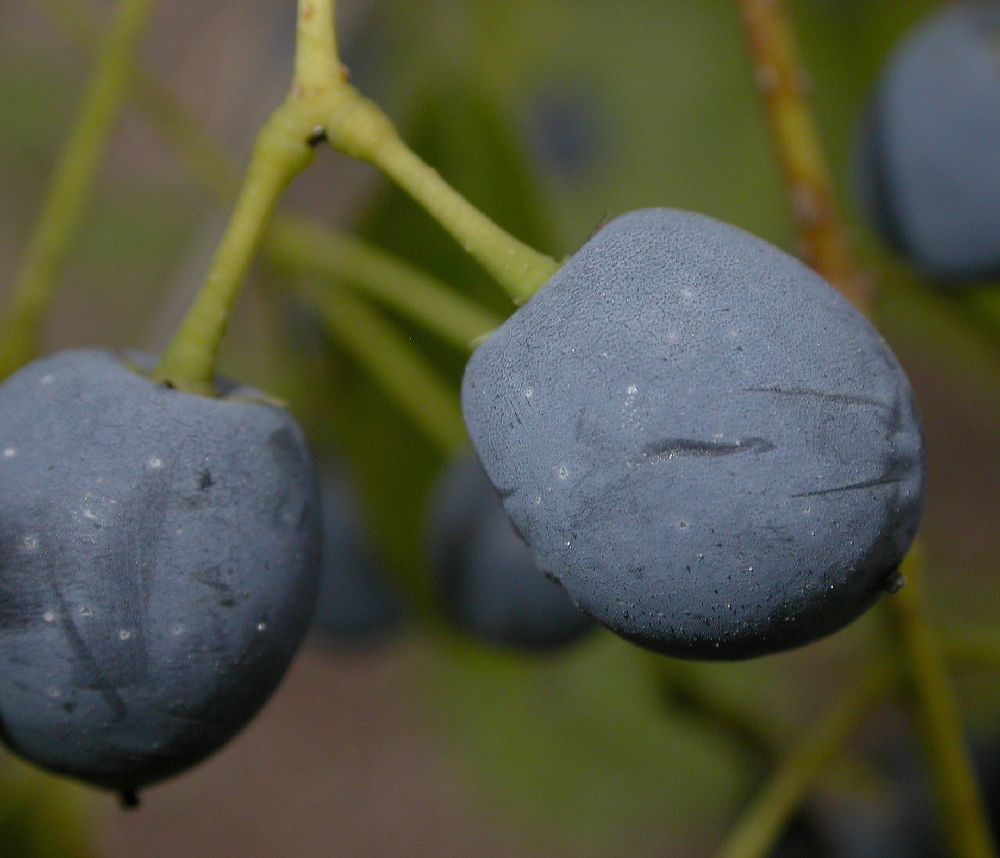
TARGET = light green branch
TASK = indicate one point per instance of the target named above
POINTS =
(284, 148)
(298, 244)
(280, 153)
(762, 822)
(359, 128)
(316, 61)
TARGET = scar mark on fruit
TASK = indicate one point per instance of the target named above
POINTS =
(886, 480)
(205, 481)
(842, 398)
(85, 658)
(192, 717)
(132, 548)
(212, 577)
(675, 448)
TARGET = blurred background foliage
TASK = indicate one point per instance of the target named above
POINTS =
(552, 116)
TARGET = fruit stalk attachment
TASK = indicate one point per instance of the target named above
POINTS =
(359, 127)
(281, 152)
(322, 106)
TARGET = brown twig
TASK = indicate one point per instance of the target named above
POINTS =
(825, 244)
(827, 248)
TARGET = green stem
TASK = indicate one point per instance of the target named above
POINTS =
(280, 153)
(70, 185)
(305, 245)
(361, 129)
(394, 363)
(940, 724)
(316, 61)
(763, 821)
(298, 244)
(283, 149)
(295, 242)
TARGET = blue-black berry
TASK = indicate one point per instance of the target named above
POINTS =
(709, 448)
(490, 585)
(356, 604)
(930, 151)
(158, 566)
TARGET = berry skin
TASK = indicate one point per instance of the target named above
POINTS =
(158, 567)
(355, 603)
(929, 166)
(710, 449)
(490, 585)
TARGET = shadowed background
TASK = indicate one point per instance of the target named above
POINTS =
(552, 116)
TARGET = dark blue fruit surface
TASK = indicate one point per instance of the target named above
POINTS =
(158, 566)
(490, 584)
(355, 604)
(710, 449)
(929, 167)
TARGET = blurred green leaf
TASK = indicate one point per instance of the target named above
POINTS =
(40, 816)
(579, 747)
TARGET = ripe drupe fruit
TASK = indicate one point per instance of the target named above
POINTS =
(158, 566)
(355, 602)
(490, 585)
(930, 154)
(710, 449)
